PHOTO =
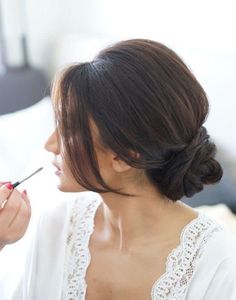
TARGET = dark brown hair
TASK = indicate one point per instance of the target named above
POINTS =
(143, 99)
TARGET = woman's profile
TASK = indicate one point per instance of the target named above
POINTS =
(130, 138)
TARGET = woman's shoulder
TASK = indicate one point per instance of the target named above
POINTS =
(222, 244)
(216, 249)
(223, 238)
(214, 272)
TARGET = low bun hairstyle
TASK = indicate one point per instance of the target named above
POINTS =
(188, 170)
(143, 99)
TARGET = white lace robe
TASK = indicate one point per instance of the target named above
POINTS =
(203, 266)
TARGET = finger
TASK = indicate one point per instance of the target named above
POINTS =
(26, 199)
(11, 208)
(3, 182)
(20, 223)
(5, 192)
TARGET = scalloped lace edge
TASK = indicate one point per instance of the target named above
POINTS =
(180, 263)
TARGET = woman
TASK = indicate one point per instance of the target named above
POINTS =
(14, 214)
(130, 127)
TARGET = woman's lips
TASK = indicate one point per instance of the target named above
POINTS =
(58, 171)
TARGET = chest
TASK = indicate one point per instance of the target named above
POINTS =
(114, 275)
(93, 271)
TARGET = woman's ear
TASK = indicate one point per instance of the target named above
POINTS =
(120, 165)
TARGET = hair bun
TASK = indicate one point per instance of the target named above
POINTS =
(188, 170)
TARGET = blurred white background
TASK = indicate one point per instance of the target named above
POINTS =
(63, 31)
(202, 33)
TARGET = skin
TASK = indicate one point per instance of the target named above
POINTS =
(132, 236)
(14, 215)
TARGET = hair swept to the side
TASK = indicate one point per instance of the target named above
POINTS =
(143, 99)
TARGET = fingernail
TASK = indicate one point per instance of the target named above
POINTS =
(9, 186)
(4, 182)
(24, 192)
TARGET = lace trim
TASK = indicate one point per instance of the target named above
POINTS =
(77, 254)
(181, 262)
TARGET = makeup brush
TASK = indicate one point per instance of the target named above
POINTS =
(19, 182)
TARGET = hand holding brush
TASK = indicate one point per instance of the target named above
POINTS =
(15, 211)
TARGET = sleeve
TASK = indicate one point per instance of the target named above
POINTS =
(223, 284)
(43, 275)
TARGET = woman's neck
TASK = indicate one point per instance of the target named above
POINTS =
(132, 221)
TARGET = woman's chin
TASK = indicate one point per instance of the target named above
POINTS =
(61, 188)
(68, 188)
(67, 183)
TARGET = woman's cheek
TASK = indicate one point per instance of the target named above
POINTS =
(67, 183)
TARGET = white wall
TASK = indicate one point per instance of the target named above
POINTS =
(183, 24)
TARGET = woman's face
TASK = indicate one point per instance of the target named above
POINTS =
(112, 169)
(66, 182)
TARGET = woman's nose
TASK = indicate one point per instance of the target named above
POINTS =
(51, 144)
